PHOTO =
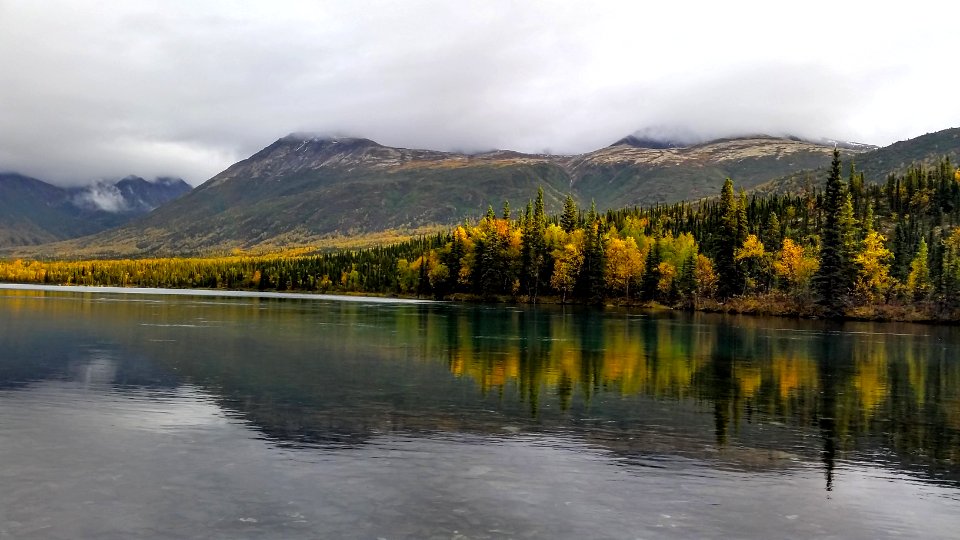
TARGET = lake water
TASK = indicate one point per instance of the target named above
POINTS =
(150, 416)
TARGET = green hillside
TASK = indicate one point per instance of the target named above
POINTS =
(878, 164)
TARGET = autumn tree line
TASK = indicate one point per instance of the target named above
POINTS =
(852, 248)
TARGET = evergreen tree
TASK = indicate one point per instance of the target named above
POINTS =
(856, 188)
(743, 226)
(868, 220)
(950, 278)
(590, 282)
(651, 272)
(728, 274)
(834, 280)
(423, 284)
(687, 283)
(918, 282)
(570, 216)
(848, 239)
(903, 250)
(534, 249)
(771, 235)
(526, 248)
(492, 265)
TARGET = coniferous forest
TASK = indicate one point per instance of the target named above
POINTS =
(852, 248)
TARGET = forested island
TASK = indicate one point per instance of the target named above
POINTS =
(852, 249)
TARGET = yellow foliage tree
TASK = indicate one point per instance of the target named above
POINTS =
(567, 263)
(667, 272)
(753, 259)
(325, 283)
(635, 226)
(677, 249)
(873, 267)
(624, 264)
(752, 248)
(705, 276)
(795, 267)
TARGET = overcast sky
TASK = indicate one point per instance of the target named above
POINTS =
(101, 89)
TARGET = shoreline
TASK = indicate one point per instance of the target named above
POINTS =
(758, 306)
(228, 293)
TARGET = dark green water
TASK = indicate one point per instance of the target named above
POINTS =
(148, 416)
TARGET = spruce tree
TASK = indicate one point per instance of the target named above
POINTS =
(569, 218)
(526, 248)
(834, 279)
(590, 281)
(651, 272)
(687, 282)
(950, 277)
(743, 226)
(534, 248)
(727, 244)
(771, 234)
(848, 239)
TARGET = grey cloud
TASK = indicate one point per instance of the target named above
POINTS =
(102, 90)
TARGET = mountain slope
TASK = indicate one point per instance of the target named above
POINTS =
(301, 188)
(879, 163)
(35, 212)
(624, 175)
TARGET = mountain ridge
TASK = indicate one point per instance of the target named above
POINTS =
(302, 189)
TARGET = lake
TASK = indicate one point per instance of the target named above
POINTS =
(247, 416)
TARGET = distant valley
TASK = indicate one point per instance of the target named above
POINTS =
(36, 212)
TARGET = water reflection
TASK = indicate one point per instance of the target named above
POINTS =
(748, 393)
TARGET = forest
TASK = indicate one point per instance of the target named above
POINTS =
(851, 248)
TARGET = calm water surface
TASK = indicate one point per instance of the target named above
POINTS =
(149, 416)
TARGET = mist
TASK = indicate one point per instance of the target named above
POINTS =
(101, 196)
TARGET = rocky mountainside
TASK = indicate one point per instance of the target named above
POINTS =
(625, 174)
(35, 212)
(303, 187)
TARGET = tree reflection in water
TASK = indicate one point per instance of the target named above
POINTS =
(750, 390)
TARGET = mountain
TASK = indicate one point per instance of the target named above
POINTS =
(878, 163)
(302, 188)
(129, 196)
(35, 212)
